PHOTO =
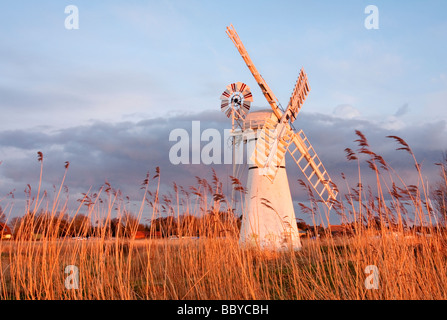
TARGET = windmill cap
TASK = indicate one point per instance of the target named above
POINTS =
(256, 119)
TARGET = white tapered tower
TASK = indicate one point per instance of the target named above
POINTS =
(268, 221)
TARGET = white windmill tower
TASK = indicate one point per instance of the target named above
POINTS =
(269, 218)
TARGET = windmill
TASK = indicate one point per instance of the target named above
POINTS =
(236, 100)
(269, 219)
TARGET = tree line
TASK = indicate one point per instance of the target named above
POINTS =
(44, 225)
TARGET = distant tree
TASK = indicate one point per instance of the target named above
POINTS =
(230, 224)
(302, 225)
(61, 222)
(131, 225)
(221, 223)
(189, 225)
(115, 227)
(316, 230)
(44, 224)
(352, 228)
(375, 223)
(167, 226)
(24, 226)
(15, 223)
(80, 225)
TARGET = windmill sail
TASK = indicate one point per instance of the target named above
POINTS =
(283, 130)
(299, 94)
(310, 164)
(274, 103)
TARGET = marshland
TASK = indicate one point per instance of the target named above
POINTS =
(187, 248)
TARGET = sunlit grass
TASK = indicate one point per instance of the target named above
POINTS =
(411, 265)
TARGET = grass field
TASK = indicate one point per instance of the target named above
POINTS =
(410, 263)
(409, 268)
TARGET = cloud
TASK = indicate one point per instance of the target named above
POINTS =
(403, 110)
(123, 152)
(346, 111)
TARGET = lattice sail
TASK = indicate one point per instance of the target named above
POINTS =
(268, 93)
(298, 96)
(310, 164)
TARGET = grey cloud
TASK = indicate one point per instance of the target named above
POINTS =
(123, 152)
(403, 110)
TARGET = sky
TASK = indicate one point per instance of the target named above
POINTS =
(106, 96)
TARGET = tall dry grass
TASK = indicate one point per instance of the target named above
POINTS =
(411, 265)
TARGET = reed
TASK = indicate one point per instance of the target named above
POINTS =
(112, 264)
